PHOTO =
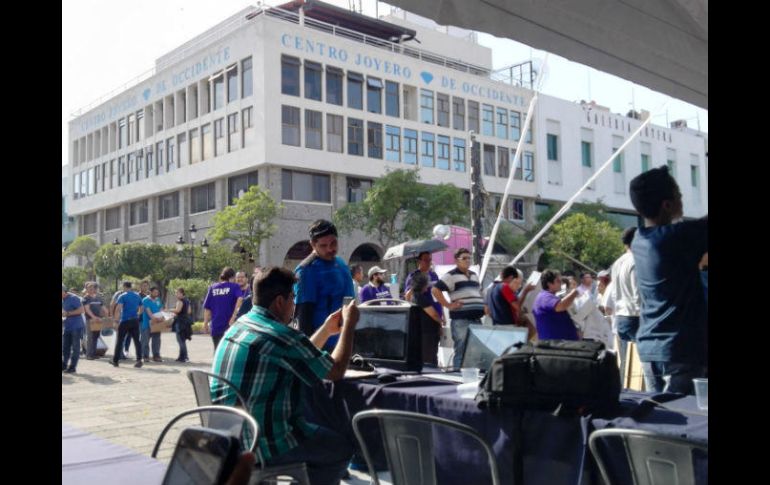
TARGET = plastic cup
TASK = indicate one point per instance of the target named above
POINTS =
(470, 374)
(702, 393)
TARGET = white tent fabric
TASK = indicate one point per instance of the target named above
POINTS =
(660, 44)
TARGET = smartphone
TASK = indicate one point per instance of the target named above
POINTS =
(202, 456)
(346, 301)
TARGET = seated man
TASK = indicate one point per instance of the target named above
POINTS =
(274, 367)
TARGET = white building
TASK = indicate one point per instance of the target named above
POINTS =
(313, 105)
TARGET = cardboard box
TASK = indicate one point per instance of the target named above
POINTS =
(97, 325)
(162, 327)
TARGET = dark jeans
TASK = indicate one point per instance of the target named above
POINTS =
(326, 453)
(92, 338)
(70, 348)
(182, 346)
(216, 341)
(126, 329)
(146, 337)
(671, 376)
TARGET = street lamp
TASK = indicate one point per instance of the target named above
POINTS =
(116, 242)
(180, 242)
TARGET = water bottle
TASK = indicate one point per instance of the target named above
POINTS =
(394, 286)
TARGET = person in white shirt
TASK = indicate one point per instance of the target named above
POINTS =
(625, 295)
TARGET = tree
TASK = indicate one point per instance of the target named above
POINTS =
(594, 243)
(249, 221)
(74, 277)
(83, 247)
(398, 208)
(194, 288)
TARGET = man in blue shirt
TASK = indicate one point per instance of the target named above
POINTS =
(672, 339)
(323, 280)
(72, 311)
(152, 304)
(129, 307)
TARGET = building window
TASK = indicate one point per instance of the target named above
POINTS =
(391, 99)
(313, 129)
(219, 92)
(502, 123)
(239, 185)
(528, 137)
(552, 145)
(355, 90)
(168, 206)
(489, 160)
(410, 103)
(184, 153)
(129, 173)
(671, 164)
(515, 119)
(219, 137)
(232, 83)
(122, 140)
(313, 81)
(170, 159)
(290, 75)
(334, 85)
(488, 120)
(617, 164)
(150, 165)
(202, 198)
(195, 147)
(357, 189)
(232, 132)
(373, 95)
(207, 141)
(442, 157)
(374, 139)
(458, 154)
(473, 116)
(138, 212)
(392, 143)
(503, 163)
(645, 162)
(247, 81)
(426, 152)
(334, 139)
(694, 176)
(290, 125)
(517, 209)
(355, 137)
(112, 219)
(308, 187)
(585, 152)
(442, 110)
(426, 106)
(410, 146)
(458, 113)
(529, 167)
(89, 223)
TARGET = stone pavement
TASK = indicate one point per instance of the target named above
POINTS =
(130, 406)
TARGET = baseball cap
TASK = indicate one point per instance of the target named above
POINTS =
(374, 270)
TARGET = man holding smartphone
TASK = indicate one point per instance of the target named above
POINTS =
(551, 316)
(274, 366)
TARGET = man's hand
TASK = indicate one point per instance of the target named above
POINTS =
(529, 287)
(455, 305)
(243, 469)
(333, 323)
(206, 327)
(350, 314)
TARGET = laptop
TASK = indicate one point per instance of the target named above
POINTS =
(483, 345)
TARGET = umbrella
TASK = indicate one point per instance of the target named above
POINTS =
(413, 248)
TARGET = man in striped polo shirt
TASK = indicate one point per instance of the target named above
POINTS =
(467, 306)
(273, 365)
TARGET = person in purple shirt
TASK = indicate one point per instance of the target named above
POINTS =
(223, 300)
(424, 260)
(551, 317)
(376, 288)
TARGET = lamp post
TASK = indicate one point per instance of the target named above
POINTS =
(116, 243)
(180, 242)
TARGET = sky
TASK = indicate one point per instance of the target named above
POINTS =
(107, 43)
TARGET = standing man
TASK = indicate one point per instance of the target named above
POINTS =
(72, 310)
(376, 288)
(94, 309)
(467, 306)
(625, 295)
(551, 317)
(323, 280)
(129, 307)
(357, 273)
(503, 305)
(587, 285)
(223, 300)
(672, 339)
(245, 284)
(152, 304)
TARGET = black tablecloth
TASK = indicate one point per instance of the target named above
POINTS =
(87, 459)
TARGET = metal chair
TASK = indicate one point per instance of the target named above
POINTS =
(652, 459)
(408, 441)
(203, 384)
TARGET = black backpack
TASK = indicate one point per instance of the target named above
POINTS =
(563, 376)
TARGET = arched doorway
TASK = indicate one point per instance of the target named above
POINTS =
(365, 253)
(296, 254)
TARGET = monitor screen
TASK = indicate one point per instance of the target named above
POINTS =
(382, 333)
(485, 343)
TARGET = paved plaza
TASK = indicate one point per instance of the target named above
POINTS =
(130, 406)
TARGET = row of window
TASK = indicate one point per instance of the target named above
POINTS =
(432, 108)
(202, 97)
(224, 135)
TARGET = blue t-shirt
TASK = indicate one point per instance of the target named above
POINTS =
(550, 323)
(673, 316)
(131, 302)
(72, 322)
(154, 305)
(324, 283)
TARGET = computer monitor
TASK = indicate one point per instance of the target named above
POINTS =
(485, 343)
(389, 336)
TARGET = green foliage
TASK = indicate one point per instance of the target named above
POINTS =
(74, 277)
(108, 262)
(84, 247)
(513, 243)
(195, 288)
(594, 243)
(249, 221)
(197, 327)
(209, 266)
(398, 208)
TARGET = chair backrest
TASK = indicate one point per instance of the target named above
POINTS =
(222, 388)
(408, 441)
(651, 458)
(243, 418)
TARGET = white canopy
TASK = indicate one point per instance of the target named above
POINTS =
(660, 44)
